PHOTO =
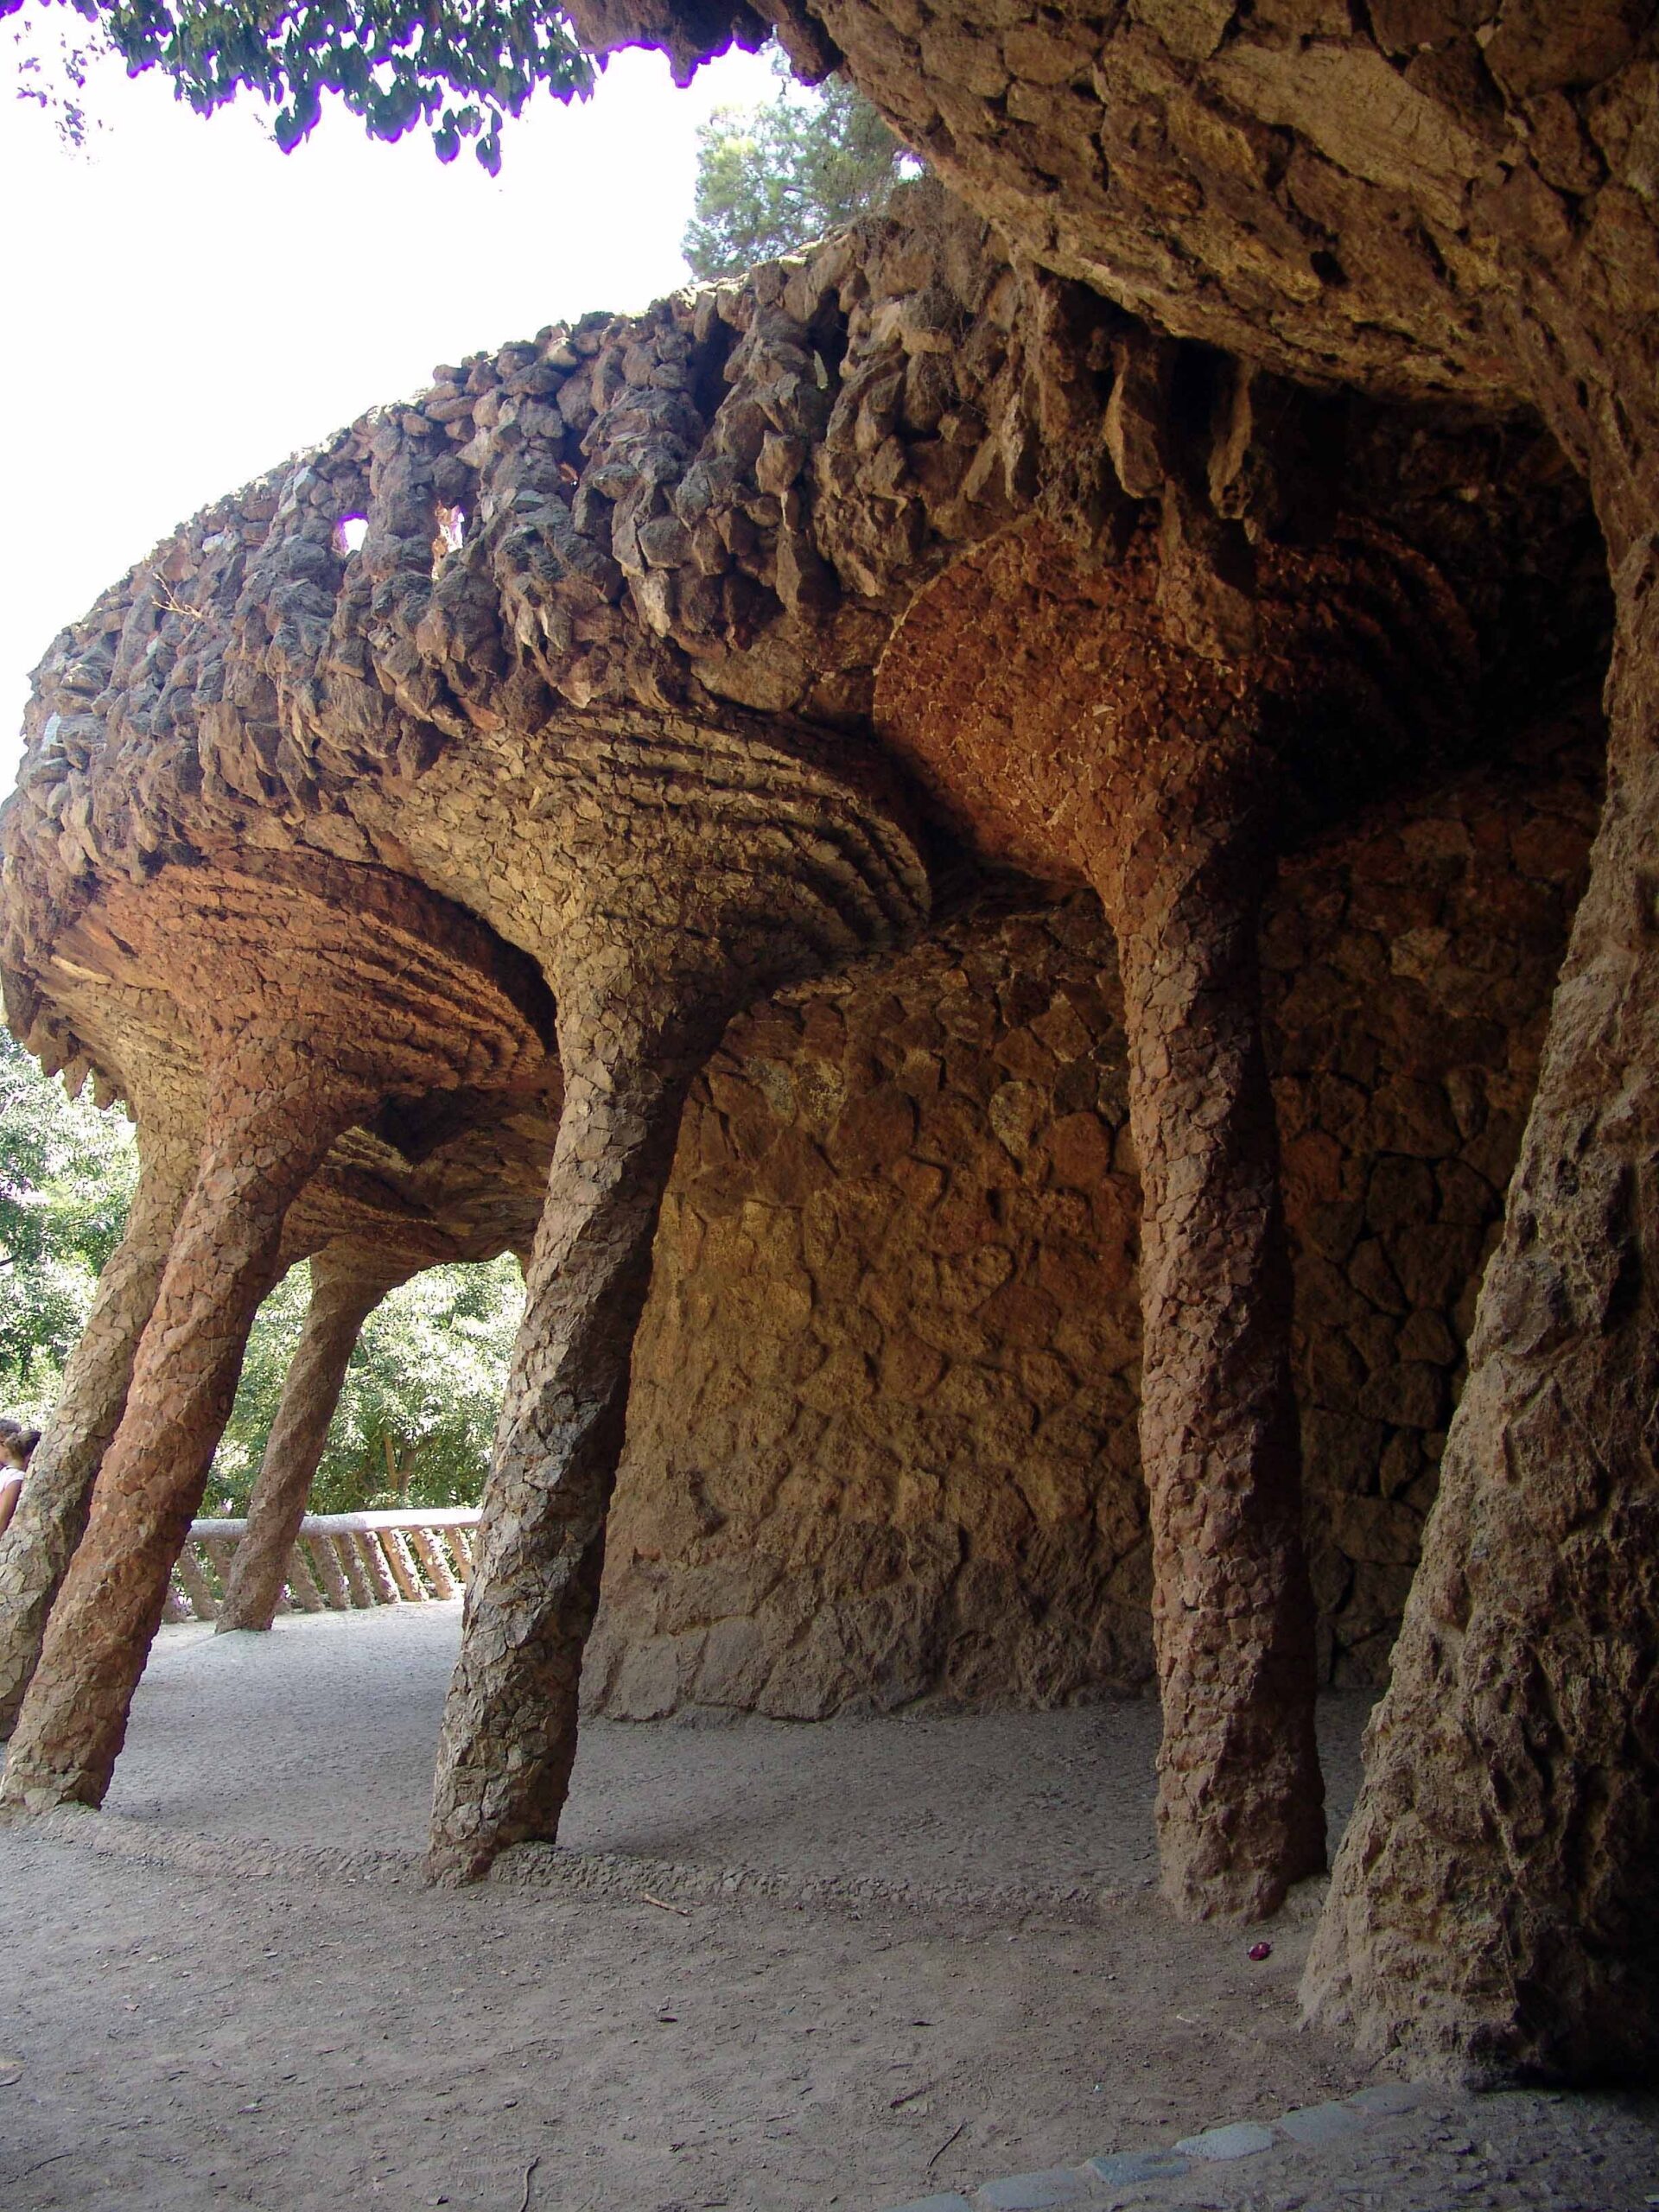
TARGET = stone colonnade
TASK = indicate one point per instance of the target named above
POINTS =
(307, 1028)
(1157, 790)
(401, 994)
(1499, 248)
(1427, 198)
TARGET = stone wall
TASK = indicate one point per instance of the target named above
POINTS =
(881, 1438)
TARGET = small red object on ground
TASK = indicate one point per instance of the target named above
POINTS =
(1260, 1950)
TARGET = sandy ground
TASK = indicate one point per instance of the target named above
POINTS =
(233, 1988)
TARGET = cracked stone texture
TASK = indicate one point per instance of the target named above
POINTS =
(683, 543)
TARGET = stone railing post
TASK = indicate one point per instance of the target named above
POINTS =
(37, 1548)
(345, 1287)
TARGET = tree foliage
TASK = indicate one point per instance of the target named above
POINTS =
(51, 60)
(416, 1415)
(66, 1173)
(773, 177)
(459, 67)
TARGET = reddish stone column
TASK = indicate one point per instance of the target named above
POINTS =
(509, 1735)
(1240, 1800)
(1081, 736)
(270, 1123)
(36, 1547)
(345, 1287)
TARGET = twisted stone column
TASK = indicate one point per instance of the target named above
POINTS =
(36, 1547)
(509, 1734)
(269, 1124)
(345, 1287)
(1240, 1801)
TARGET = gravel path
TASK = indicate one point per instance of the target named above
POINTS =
(232, 1988)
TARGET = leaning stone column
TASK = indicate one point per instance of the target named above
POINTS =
(345, 1287)
(270, 1123)
(508, 1735)
(710, 866)
(1181, 874)
(1494, 1910)
(37, 1547)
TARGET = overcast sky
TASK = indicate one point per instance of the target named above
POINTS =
(183, 305)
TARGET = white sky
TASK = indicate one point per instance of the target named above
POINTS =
(184, 305)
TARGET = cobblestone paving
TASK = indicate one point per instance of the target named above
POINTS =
(1386, 2148)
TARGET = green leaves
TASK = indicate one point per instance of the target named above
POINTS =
(461, 67)
(66, 1173)
(427, 1376)
(417, 1416)
(771, 178)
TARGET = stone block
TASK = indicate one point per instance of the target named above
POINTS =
(1410, 1396)
(1433, 1264)
(1120, 2168)
(1383, 2100)
(1413, 1118)
(1401, 1194)
(1032, 2192)
(1241, 2140)
(1318, 2125)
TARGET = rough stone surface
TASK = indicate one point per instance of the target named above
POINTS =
(882, 1430)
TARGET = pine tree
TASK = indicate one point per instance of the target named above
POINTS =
(773, 177)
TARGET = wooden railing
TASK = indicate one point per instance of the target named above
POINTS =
(340, 1560)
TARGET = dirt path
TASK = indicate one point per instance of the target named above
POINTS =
(232, 1988)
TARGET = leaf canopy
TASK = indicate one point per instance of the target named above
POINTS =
(66, 1173)
(459, 67)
